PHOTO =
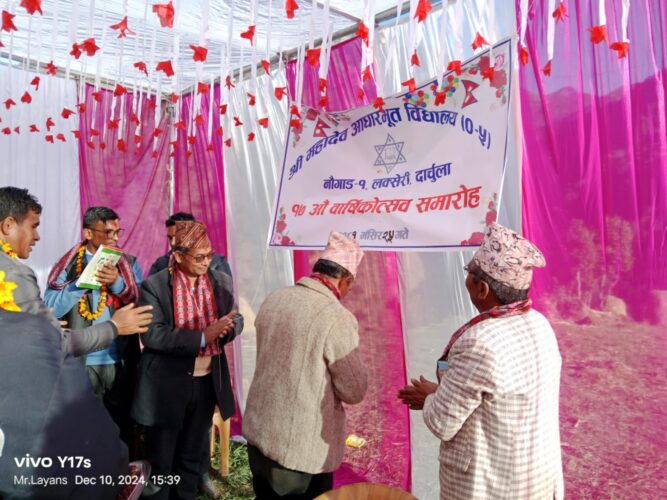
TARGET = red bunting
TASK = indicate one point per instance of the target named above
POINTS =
(154, 154)
(35, 82)
(122, 27)
(180, 125)
(94, 132)
(228, 82)
(113, 124)
(32, 6)
(251, 136)
(621, 48)
(454, 66)
(49, 124)
(90, 144)
(8, 21)
(379, 103)
(228, 143)
(141, 66)
(51, 69)
(414, 60)
(66, 113)
(294, 110)
(251, 99)
(191, 139)
(209, 148)
(137, 139)
(237, 121)
(223, 109)
(410, 84)
(366, 74)
(166, 67)
(199, 120)
(76, 50)
(97, 96)
(165, 11)
(423, 8)
(9, 103)
(523, 55)
(49, 138)
(598, 34)
(264, 122)
(440, 97)
(296, 125)
(151, 104)
(61, 137)
(82, 107)
(267, 66)
(6, 131)
(157, 132)
(478, 42)
(362, 32)
(33, 128)
(103, 145)
(89, 46)
(121, 145)
(313, 56)
(323, 84)
(203, 88)
(26, 98)
(324, 100)
(77, 134)
(174, 98)
(199, 53)
(547, 69)
(290, 7)
(360, 93)
(174, 144)
(17, 130)
(280, 92)
(560, 13)
(134, 118)
(218, 131)
(249, 34)
(119, 90)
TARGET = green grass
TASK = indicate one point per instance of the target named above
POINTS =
(238, 485)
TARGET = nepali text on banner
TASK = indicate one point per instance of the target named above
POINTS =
(422, 173)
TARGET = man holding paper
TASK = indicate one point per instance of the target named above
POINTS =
(83, 296)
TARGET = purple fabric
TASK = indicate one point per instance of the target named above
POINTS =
(380, 419)
(199, 176)
(595, 202)
(132, 183)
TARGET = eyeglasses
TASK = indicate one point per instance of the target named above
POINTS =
(200, 258)
(109, 233)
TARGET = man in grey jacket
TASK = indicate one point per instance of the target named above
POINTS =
(308, 364)
(19, 219)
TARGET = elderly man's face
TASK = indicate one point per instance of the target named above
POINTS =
(195, 261)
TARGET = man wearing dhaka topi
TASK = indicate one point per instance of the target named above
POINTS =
(495, 408)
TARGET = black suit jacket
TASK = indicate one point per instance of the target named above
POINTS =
(167, 363)
(48, 409)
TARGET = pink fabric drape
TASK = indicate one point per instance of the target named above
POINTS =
(595, 202)
(133, 183)
(380, 419)
(199, 169)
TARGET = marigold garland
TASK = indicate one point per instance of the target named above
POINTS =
(7, 248)
(7, 294)
(83, 302)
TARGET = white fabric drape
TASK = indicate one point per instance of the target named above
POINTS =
(251, 178)
(48, 171)
(434, 300)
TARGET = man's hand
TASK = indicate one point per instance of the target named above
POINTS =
(131, 319)
(220, 328)
(415, 394)
(107, 274)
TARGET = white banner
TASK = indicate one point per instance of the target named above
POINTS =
(419, 174)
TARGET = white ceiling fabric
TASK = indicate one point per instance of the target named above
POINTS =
(47, 37)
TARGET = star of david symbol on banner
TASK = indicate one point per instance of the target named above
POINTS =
(389, 154)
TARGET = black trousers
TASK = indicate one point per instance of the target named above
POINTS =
(178, 452)
(270, 480)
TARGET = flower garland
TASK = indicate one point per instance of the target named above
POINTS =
(7, 294)
(83, 302)
(7, 248)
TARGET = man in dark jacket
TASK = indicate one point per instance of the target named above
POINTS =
(183, 371)
(219, 262)
(50, 415)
